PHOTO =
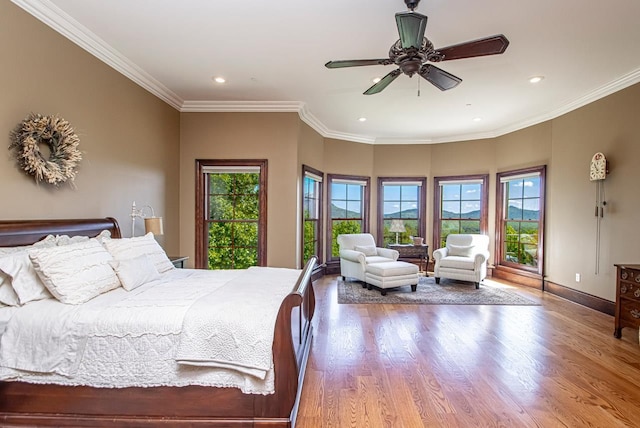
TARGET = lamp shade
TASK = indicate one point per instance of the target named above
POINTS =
(397, 226)
(153, 225)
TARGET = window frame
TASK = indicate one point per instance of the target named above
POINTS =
(437, 203)
(366, 198)
(307, 170)
(499, 262)
(422, 204)
(202, 192)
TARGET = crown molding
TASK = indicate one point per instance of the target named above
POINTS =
(241, 106)
(272, 107)
(64, 24)
(57, 19)
(598, 93)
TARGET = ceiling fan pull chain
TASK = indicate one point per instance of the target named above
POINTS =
(418, 87)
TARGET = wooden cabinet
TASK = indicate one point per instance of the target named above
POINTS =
(627, 297)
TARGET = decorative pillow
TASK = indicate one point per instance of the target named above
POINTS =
(129, 248)
(8, 297)
(75, 273)
(368, 250)
(24, 279)
(66, 239)
(460, 250)
(48, 241)
(132, 273)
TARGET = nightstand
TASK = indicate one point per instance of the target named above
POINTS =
(413, 252)
(178, 261)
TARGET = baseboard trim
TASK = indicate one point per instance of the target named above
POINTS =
(519, 277)
(581, 298)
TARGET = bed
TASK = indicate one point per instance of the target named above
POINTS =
(29, 404)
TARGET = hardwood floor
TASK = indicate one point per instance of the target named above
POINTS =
(552, 365)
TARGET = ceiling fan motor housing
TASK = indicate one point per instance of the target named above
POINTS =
(412, 4)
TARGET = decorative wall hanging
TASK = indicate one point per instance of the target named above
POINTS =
(61, 140)
(598, 170)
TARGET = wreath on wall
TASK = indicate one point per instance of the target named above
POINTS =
(58, 135)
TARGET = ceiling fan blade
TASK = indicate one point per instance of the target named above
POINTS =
(383, 83)
(439, 78)
(488, 46)
(357, 63)
(411, 27)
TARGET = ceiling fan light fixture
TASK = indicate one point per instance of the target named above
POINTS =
(536, 79)
(219, 79)
(362, 119)
(411, 27)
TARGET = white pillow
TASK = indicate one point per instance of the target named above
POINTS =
(66, 239)
(129, 248)
(7, 295)
(75, 273)
(460, 250)
(132, 273)
(48, 241)
(24, 280)
(368, 250)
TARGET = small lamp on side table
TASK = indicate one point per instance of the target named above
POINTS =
(397, 226)
(151, 224)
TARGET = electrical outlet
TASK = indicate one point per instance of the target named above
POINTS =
(577, 277)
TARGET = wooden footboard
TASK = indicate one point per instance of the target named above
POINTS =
(24, 404)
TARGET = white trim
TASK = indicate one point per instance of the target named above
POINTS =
(230, 169)
(241, 106)
(508, 178)
(345, 181)
(473, 181)
(402, 183)
(56, 18)
(313, 176)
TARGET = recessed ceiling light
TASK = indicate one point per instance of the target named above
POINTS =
(536, 79)
(376, 79)
(219, 79)
(477, 119)
(362, 119)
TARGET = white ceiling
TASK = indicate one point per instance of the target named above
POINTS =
(272, 54)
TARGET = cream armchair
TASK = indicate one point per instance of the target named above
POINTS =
(358, 250)
(464, 258)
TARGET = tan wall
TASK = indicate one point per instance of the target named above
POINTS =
(609, 126)
(310, 153)
(129, 138)
(271, 136)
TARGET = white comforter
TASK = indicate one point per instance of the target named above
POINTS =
(156, 335)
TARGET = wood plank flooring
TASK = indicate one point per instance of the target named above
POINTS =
(554, 365)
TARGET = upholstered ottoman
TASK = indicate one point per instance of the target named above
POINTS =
(391, 274)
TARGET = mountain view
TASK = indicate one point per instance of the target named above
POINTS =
(514, 213)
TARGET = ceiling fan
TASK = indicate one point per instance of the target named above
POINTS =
(413, 51)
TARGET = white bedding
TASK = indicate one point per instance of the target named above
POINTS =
(6, 312)
(122, 339)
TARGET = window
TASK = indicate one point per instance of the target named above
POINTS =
(348, 209)
(231, 214)
(311, 213)
(520, 217)
(461, 204)
(403, 200)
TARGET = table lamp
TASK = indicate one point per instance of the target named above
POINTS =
(397, 226)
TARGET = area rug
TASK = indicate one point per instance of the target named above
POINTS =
(448, 292)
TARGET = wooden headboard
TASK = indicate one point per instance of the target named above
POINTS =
(26, 232)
